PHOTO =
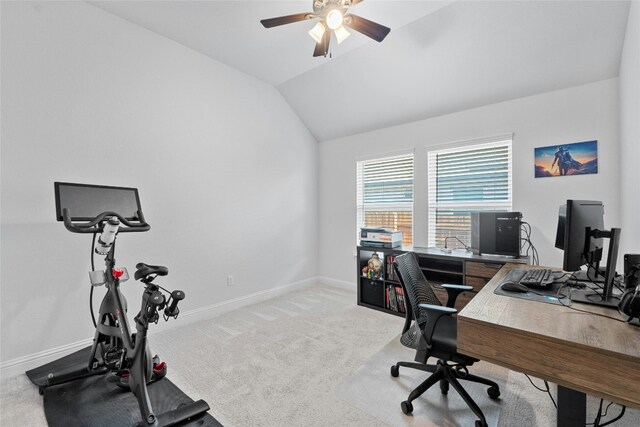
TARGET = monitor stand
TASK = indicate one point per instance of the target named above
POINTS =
(594, 296)
(589, 275)
(584, 276)
(604, 296)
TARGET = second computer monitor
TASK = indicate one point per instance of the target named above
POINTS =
(573, 220)
(580, 234)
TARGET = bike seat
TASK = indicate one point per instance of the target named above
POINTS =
(143, 270)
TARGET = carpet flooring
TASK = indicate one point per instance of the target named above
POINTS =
(306, 359)
(372, 389)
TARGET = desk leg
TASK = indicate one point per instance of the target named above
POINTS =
(572, 408)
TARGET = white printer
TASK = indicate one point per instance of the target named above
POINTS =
(380, 237)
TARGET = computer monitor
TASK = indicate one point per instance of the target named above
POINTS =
(85, 201)
(580, 234)
(573, 220)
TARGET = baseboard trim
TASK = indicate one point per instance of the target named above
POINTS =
(341, 284)
(217, 309)
(19, 365)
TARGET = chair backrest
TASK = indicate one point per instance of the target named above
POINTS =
(415, 284)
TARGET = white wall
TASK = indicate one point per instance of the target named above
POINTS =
(226, 171)
(630, 133)
(571, 115)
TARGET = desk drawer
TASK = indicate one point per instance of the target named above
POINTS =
(482, 269)
(477, 282)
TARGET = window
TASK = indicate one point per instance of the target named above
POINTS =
(474, 177)
(385, 194)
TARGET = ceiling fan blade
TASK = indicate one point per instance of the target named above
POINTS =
(323, 48)
(288, 19)
(368, 28)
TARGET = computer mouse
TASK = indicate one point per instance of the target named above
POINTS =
(514, 287)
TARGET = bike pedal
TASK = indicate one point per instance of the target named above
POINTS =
(120, 379)
(159, 371)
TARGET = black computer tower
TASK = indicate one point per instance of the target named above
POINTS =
(496, 233)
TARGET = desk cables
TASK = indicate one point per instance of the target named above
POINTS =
(525, 242)
(597, 422)
(600, 415)
(560, 296)
(545, 390)
(618, 280)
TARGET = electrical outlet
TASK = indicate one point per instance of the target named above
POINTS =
(230, 281)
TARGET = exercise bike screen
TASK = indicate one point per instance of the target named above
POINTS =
(85, 202)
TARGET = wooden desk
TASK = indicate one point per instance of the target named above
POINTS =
(580, 352)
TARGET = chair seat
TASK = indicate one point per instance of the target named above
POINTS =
(444, 343)
(444, 337)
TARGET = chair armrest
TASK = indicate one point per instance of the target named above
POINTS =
(453, 291)
(434, 313)
(438, 309)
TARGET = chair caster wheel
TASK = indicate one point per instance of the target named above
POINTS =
(444, 387)
(407, 407)
(395, 371)
(493, 392)
(480, 424)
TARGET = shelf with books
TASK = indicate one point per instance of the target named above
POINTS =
(391, 274)
(394, 298)
(379, 287)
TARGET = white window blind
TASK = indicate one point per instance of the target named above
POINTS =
(476, 177)
(385, 194)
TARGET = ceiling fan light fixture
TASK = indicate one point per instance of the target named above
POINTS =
(317, 32)
(341, 34)
(334, 19)
(331, 16)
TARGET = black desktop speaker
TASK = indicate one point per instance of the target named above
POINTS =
(496, 233)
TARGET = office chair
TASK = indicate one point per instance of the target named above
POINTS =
(434, 334)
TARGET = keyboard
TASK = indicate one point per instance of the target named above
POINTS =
(539, 278)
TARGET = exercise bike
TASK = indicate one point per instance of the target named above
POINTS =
(124, 356)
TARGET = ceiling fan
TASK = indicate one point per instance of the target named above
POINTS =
(333, 18)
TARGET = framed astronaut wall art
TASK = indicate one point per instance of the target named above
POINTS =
(578, 158)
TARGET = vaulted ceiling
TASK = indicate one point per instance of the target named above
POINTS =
(440, 57)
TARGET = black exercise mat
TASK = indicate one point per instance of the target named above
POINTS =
(92, 401)
(74, 361)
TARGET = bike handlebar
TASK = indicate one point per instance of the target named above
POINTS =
(172, 309)
(89, 227)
